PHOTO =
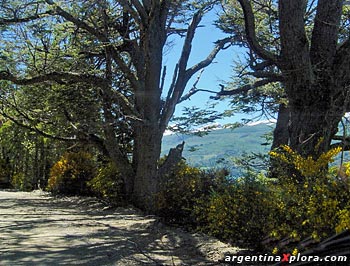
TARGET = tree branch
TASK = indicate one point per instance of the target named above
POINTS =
(102, 38)
(183, 75)
(220, 45)
(294, 42)
(249, 21)
(245, 88)
(139, 8)
(26, 19)
(179, 78)
(266, 74)
(341, 65)
(344, 143)
(194, 89)
(325, 31)
(36, 129)
(64, 77)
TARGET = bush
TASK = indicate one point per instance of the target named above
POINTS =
(255, 207)
(22, 182)
(108, 184)
(182, 189)
(315, 206)
(241, 213)
(71, 173)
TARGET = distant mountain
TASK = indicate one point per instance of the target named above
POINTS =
(220, 144)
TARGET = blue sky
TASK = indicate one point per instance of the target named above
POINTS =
(218, 72)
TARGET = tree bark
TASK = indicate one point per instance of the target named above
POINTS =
(147, 133)
(315, 100)
(147, 149)
(281, 134)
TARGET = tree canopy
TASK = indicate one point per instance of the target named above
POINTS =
(106, 56)
(304, 46)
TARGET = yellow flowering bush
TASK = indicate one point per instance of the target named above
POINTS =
(183, 186)
(308, 167)
(240, 213)
(344, 220)
(313, 206)
(70, 174)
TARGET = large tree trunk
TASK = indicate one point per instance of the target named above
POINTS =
(315, 100)
(281, 134)
(147, 133)
(311, 129)
(315, 112)
(146, 155)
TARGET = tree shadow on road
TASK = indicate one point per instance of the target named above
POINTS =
(48, 231)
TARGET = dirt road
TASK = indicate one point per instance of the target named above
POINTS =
(36, 229)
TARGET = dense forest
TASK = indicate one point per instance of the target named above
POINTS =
(84, 106)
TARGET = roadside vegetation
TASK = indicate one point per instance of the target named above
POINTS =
(86, 97)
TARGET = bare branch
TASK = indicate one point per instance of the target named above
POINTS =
(220, 45)
(172, 85)
(187, 47)
(163, 79)
(180, 78)
(180, 32)
(266, 74)
(183, 75)
(194, 89)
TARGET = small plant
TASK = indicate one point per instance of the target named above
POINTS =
(71, 173)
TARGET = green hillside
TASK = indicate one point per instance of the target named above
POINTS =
(219, 144)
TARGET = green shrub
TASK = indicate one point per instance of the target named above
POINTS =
(21, 182)
(318, 204)
(71, 173)
(108, 184)
(240, 214)
(182, 189)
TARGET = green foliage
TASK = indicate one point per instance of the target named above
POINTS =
(245, 211)
(317, 205)
(182, 189)
(71, 173)
(22, 182)
(240, 213)
(108, 184)
(193, 117)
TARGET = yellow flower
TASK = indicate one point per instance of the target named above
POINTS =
(295, 252)
(275, 250)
